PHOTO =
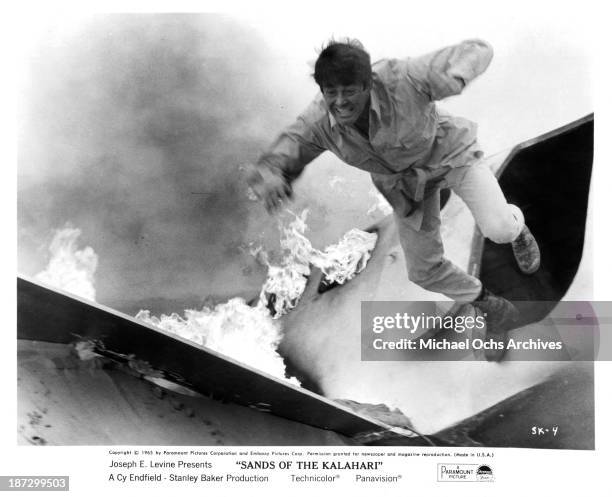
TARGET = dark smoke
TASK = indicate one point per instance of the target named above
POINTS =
(133, 130)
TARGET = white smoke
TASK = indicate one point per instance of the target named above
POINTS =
(336, 182)
(380, 205)
(69, 268)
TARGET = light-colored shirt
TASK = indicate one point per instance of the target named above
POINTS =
(411, 143)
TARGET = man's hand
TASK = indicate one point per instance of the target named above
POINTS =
(268, 186)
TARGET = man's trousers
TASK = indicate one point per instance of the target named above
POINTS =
(497, 220)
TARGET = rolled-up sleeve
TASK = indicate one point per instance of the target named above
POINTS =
(294, 148)
(446, 72)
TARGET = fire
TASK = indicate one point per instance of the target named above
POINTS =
(340, 262)
(250, 334)
(234, 329)
(247, 334)
(70, 269)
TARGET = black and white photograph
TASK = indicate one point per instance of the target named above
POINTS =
(265, 239)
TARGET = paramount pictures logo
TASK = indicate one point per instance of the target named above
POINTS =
(465, 472)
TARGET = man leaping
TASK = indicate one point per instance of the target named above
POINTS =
(383, 119)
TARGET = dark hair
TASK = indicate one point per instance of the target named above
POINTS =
(343, 63)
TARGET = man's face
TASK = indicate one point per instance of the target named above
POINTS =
(346, 103)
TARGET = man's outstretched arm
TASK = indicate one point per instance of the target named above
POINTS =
(447, 72)
(271, 176)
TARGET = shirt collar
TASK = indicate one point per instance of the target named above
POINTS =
(332, 122)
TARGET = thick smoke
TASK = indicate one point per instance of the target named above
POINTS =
(132, 130)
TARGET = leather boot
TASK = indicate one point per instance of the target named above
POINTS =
(501, 316)
(526, 251)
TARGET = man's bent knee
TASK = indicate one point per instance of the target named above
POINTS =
(504, 229)
(500, 232)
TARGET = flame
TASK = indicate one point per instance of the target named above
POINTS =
(348, 257)
(339, 263)
(70, 269)
(247, 334)
(250, 334)
(235, 329)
